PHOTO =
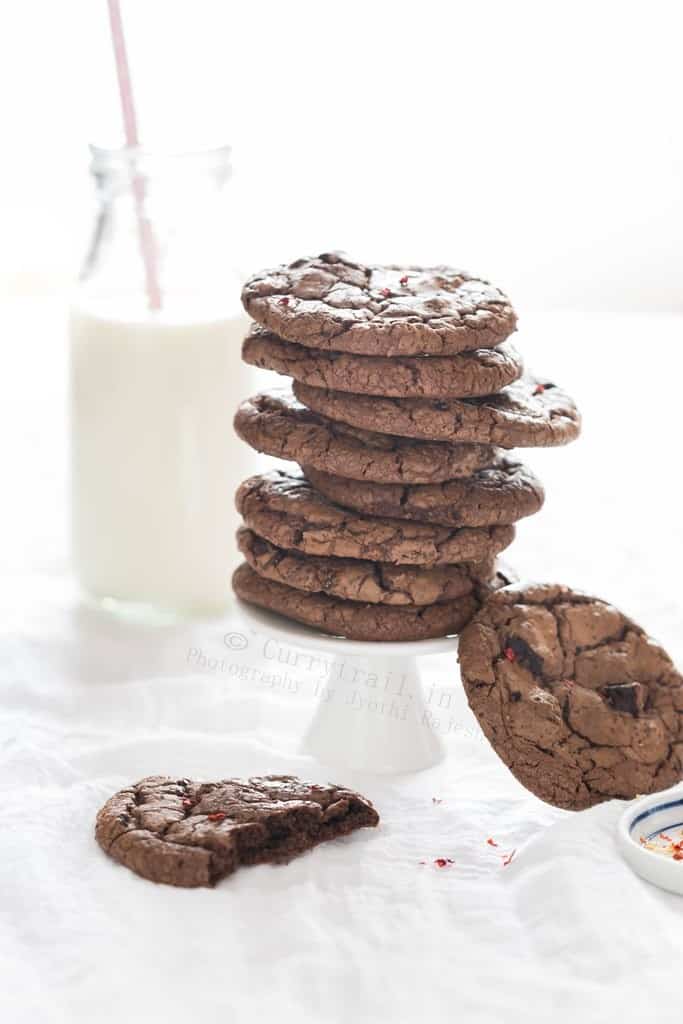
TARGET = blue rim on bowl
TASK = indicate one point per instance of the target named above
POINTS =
(647, 817)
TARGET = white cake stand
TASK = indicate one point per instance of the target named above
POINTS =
(371, 716)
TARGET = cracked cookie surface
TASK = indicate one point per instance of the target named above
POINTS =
(192, 834)
(286, 510)
(275, 423)
(478, 372)
(330, 302)
(502, 493)
(576, 699)
(355, 620)
(532, 412)
(355, 580)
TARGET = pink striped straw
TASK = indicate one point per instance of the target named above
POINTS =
(147, 245)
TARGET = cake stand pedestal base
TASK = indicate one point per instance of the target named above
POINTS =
(371, 714)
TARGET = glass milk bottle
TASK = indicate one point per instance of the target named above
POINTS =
(155, 336)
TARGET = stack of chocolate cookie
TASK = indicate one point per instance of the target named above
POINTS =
(406, 400)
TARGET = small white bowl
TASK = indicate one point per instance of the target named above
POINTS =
(648, 817)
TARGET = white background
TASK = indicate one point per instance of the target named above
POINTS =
(537, 143)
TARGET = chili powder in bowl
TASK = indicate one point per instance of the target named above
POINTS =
(650, 836)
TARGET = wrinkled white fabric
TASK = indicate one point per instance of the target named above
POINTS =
(359, 929)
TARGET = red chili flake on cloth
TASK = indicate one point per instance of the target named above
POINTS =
(284, 301)
(491, 842)
(510, 654)
(217, 816)
(404, 280)
(539, 389)
(443, 862)
(437, 800)
(386, 292)
(509, 858)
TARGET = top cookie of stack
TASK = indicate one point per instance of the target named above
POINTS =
(332, 304)
(405, 393)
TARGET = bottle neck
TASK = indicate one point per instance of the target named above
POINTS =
(162, 230)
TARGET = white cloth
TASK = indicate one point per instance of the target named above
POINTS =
(359, 929)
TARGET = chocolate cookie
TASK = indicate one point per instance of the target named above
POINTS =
(274, 422)
(480, 372)
(355, 580)
(328, 302)
(503, 493)
(288, 512)
(354, 619)
(195, 833)
(529, 413)
(575, 698)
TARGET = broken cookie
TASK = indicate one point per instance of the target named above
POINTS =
(194, 833)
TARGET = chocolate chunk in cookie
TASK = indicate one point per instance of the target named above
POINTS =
(629, 697)
(195, 833)
(354, 580)
(354, 619)
(329, 302)
(503, 493)
(287, 511)
(530, 413)
(479, 372)
(576, 699)
(275, 423)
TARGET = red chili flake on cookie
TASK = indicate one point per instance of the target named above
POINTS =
(663, 835)
(404, 280)
(443, 862)
(216, 816)
(510, 654)
(678, 856)
(187, 803)
(284, 301)
(386, 292)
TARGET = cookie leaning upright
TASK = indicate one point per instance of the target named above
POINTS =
(330, 302)
(575, 698)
